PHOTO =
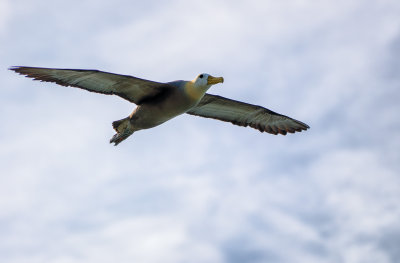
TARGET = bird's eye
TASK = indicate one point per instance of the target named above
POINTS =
(201, 76)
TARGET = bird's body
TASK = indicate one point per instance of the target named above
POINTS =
(160, 102)
(155, 112)
(177, 99)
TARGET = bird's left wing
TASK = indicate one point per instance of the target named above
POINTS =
(133, 89)
(244, 114)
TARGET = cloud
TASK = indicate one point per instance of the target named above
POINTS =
(195, 189)
(4, 14)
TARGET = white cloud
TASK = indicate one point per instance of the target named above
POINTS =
(4, 14)
(194, 189)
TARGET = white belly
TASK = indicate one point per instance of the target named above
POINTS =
(150, 115)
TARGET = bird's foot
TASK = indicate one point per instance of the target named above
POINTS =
(119, 137)
(116, 139)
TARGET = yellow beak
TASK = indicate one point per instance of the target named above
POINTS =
(213, 80)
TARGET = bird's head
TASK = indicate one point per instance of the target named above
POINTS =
(198, 87)
(205, 81)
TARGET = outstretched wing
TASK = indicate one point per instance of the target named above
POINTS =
(244, 114)
(133, 89)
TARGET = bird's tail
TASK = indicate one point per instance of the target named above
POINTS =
(120, 125)
(124, 130)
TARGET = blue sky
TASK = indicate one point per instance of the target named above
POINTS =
(193, 189)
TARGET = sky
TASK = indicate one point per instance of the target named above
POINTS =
(195, 189)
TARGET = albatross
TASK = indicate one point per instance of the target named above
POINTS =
(159, 102)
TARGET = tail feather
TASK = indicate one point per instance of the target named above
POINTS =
(118, 123)
(123, 129)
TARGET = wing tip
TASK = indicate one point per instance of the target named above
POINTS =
(22, 70)
(38, 73)
(283, 130)
(15, 68)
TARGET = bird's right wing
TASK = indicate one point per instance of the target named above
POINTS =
(244, 114)
(133, 89)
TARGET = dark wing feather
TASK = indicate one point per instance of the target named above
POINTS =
(244, 114)
(133, 89)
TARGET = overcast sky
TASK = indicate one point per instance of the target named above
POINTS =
(194, 189)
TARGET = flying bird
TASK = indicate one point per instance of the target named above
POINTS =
(159, 102)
